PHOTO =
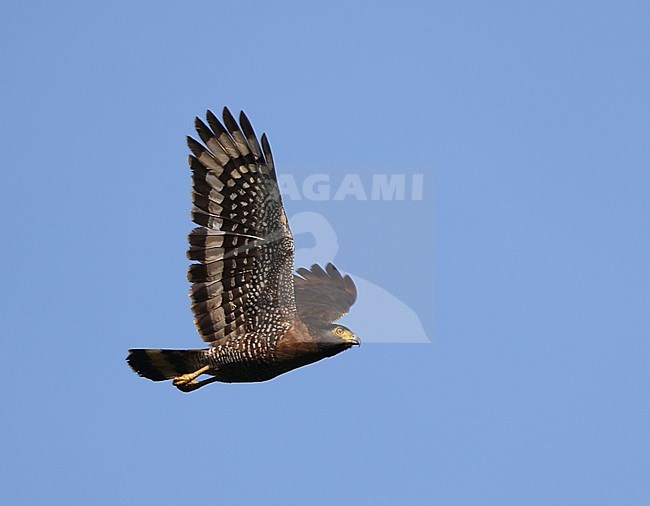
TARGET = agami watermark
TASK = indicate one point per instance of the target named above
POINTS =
(373, 187)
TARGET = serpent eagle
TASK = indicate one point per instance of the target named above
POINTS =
(259, 317)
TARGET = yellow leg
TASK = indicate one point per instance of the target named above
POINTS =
(187, 379)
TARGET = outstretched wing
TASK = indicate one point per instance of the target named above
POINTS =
(323, 295)
(243, 280)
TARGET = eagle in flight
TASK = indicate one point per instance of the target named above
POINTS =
(259, 318)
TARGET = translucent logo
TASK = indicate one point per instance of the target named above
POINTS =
(378, 316)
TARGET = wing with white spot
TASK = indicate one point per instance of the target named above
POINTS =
(243, 280)
(323, 295)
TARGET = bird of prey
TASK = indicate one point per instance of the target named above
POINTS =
(259, 318)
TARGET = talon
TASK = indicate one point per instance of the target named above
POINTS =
(186, 383)
(182, 380)
(194, 385)
(186, 387)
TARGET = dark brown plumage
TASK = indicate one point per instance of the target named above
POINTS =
(260, 319)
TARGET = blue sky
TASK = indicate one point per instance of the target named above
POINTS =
(525, 262)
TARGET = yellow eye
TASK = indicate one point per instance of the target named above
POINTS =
(338, 331)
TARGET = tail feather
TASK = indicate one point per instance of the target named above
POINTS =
(159, 365)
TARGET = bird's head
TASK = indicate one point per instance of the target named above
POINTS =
(335, 338)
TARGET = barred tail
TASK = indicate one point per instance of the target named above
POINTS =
(159, 365)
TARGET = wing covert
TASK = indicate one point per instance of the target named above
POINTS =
(323, 295)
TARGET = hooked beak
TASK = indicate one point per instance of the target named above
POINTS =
(354, 340)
